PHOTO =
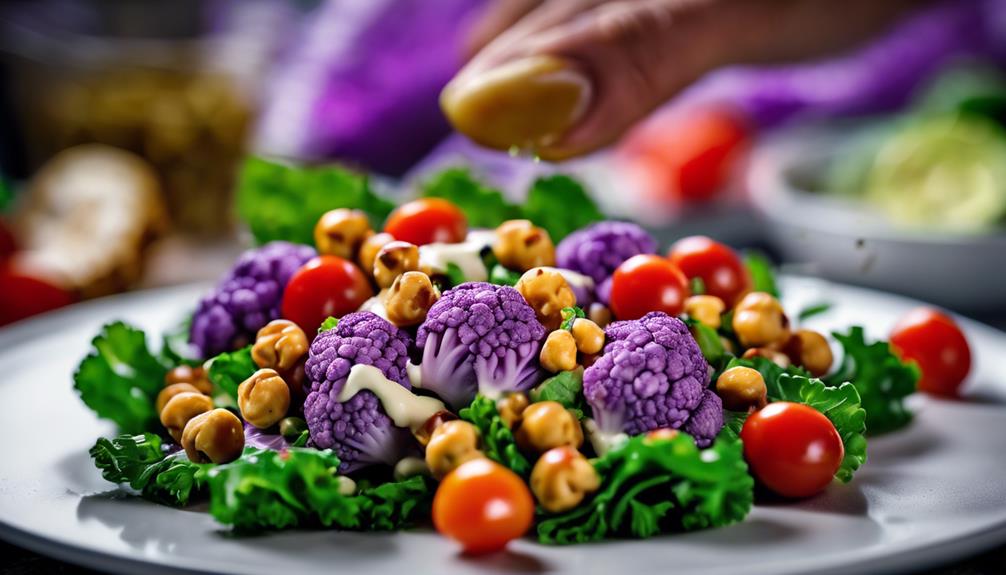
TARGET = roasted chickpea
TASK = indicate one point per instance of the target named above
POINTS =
(393, 260)
(705, 309)
(599, 314)
(170, 391)
(561, 478)
(742, 389)
(548, 424)
(809, 349)
(279, 345)
(759, 320)
(511, 408)
(425, 431)
(214, 436)
(369, 249)
(588, 335)
(263, 398)
(180, 409)
(411, 295)
(520, 245)
(559, 352)
(777, 357)
(452, 443)
(195, 376)
(341, 232)
(547, 292)
(410, 467)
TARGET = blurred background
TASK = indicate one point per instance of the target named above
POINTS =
(123, 125)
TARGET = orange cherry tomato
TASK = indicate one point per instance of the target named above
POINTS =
(324, 286)
(792, 448)
(646, 283)
(935, 342)
(720, 268)
(483, 506)
(427, 221)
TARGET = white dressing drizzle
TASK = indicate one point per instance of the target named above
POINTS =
(415, 374)
(602, 442)
(404, 408)
(466, 255)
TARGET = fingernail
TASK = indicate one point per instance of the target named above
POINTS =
(527, 103)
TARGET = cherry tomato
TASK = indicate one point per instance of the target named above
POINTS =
(793, 449)
(426, 221)
(721, 270)
(646, 283)
(25, 295)
(690, 156)
(935, 342)
(483, 506)
(324, 286)
(8, 245)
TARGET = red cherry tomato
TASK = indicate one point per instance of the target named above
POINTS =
(935, 342)
(690, 156)
(426, 221)
(483, 506)
(8, 245)
(325, 286)
(646, 283)
(721, 270)
(25, 295)
(793, 449)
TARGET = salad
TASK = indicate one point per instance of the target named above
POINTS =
(494, 369)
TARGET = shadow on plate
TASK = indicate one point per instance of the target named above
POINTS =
(508, 561)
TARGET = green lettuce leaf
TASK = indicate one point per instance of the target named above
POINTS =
(500, 275)
(560, 205)
(120, 378)
(229, 369)
(140, 462)
(762, 273)
(840, 403)
(483, 206)
(658, 486)
(284, 202)
(175, 347)
(497, 439)
(565, 387)
(883, 380)
(708, 339)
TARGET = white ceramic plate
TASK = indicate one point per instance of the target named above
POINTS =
(928, 494)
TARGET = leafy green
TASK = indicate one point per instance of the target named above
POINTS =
(120, 378)
(498, 441)
(6, 194)
(560, 205)
(840, 403)
(762, 273)
(812, 310)
(299, 487)
(500, 275)
(175, 348)
(483, 206)
(882, 380)
(565, 387)
(651, 486)
(283, 202)
(229, 369)
(569, 315)
(138, 460)
(329, 323)
(698, 287)
(455, 275)
(709, 341)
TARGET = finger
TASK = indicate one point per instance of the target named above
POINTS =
(500, 15)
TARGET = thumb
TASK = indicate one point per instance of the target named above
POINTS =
(579, 84)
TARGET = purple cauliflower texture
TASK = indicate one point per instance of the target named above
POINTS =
(598, 249)
(652, 375)
(247, 298)
(479, 337)
(358, 430)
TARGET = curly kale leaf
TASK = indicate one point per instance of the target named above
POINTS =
(283, 202)
(229, 369)
(762, 273)
(882, 380)
(498, 441)
(560, 205)
(140, 462)
(651, 486)
(565, 387)
(120, 378)
(483, 206)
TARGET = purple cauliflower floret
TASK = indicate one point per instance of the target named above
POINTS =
(652, 375)
(358, 430)
(247, 298)
(479, 337)
(597, 250)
